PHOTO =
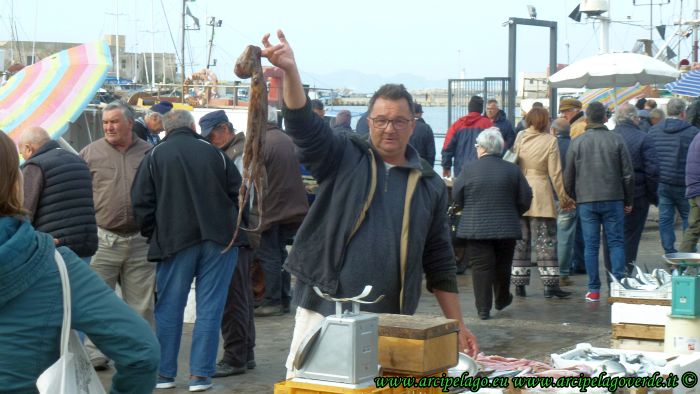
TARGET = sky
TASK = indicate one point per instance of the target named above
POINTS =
(429, 39)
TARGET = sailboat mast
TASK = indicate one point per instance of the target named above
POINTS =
(182, 51)
(153, 48)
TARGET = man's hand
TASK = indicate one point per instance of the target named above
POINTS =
(280, 55)
(56, 241)
(628, 209)
(467, 341)
(446, 172)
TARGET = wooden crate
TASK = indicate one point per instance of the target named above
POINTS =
(645, 345)
(638, 331)
(417, 345)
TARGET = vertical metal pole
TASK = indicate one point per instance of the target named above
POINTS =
(553, 68)
(182, 51)
(153, 49)
(511, 69)
(449, 102)
(695, 34)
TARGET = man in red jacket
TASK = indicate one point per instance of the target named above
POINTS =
(461, 137)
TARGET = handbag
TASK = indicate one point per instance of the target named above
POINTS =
(72, 372)
(511, 154)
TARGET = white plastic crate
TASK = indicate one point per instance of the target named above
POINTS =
(662, 293)
(621, 312)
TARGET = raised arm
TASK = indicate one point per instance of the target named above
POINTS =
(282, 56)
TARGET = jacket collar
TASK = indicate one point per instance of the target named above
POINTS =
(50, 145)
(596, 126)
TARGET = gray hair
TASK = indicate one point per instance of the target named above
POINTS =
(155, 114)
(675, 107)
(126, 109)
(35, 136)
(177, 119)
(561, 126)
(491, 140)
(625, 113)
(656, 113)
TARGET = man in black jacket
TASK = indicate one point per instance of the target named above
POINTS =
(58, 193)
(422, 138)
(646, 179)
(184, 198)
(672, 137)
(498, 117)
(599, 175)
(374, 196)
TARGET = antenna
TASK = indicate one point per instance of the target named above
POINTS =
(651, 5)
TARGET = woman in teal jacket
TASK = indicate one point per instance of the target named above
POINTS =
(31, 302)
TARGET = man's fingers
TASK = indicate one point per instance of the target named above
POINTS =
(281, 37)
(266, 40)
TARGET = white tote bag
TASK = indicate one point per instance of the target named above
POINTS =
(72, 373)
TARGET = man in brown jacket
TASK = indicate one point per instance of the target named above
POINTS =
(121, 251)
(237, 324)
(284, 206)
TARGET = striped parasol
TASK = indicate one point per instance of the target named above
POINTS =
(607, 95)
(55, 91)
(688, 85)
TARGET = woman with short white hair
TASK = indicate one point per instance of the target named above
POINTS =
(493, 194)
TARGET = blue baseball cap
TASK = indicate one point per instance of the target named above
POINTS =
(163, 107)
(209, 121)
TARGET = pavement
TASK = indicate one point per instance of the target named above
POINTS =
(532, 327)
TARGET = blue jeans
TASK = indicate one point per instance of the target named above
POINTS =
(566, 233)
(611, 215)
(174, 275)
(671, 198)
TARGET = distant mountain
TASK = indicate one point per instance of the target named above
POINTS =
(367, 83)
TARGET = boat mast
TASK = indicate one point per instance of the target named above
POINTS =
(153, 48)
(695, 34)
(182, 51)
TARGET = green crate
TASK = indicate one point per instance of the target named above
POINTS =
(686, 296)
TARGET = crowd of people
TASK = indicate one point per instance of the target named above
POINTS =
(151, 216)
(583, 178)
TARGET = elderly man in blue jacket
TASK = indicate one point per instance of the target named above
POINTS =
(374, 196)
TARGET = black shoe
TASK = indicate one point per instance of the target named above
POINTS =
(285, 306)
(225, 369)
(555, 291)
(508, 302)
(520, 291)
(484, 315)
(269, 310)
(250, 364)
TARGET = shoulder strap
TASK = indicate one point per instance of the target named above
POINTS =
(65, 285)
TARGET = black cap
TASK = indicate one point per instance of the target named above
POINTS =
(163, 107)
(209, 121)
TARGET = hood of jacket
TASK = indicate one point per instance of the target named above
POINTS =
(24, 254)
(471, 120)
(673, 125)
(500, 117)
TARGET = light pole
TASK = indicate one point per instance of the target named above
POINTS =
(214, 24)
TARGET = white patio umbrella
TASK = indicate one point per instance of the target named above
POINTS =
(612, 70)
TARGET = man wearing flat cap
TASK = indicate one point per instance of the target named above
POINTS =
(148, 127)
(237, 324)
(570, 109)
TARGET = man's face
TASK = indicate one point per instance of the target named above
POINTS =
(154, 122)
(117, 128)
(491, 110)
(220, 136)
(391, 140)
(569, 114)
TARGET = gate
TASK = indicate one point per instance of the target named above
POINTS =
(459, 91)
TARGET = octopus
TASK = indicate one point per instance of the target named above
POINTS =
(248, 65)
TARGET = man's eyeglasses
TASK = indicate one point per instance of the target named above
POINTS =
(382, 123)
